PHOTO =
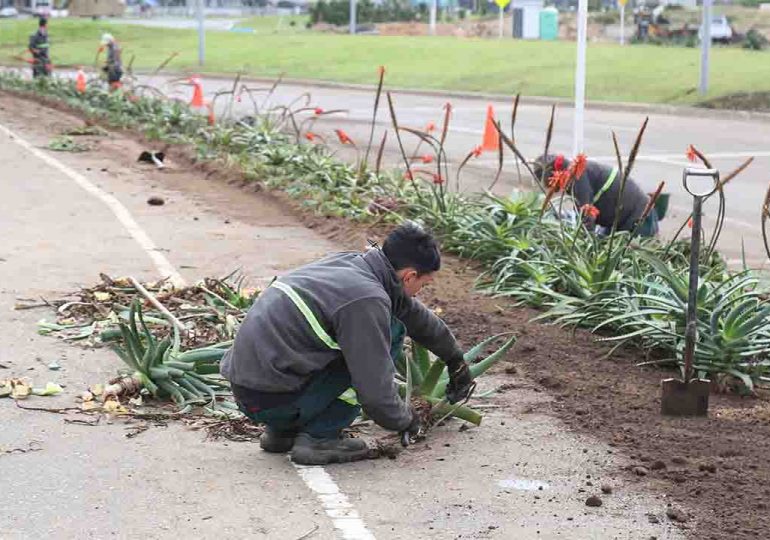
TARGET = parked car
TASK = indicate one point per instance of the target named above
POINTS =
(7, 9)
(720, 30)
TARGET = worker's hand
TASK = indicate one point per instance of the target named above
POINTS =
(413, 429)
(460, 383)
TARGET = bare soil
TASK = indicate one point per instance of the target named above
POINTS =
(714, 469)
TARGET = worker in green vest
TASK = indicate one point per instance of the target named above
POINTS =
(40, 49)
(596, 193)
(333, 324)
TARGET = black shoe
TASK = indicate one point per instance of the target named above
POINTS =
(309, 450)
(276, 442)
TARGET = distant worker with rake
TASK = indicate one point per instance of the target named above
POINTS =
(40, 49)
(332, 324)
(596, 190)
(114, 66)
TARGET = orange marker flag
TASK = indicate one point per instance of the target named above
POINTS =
(491, 140)
(80, 81)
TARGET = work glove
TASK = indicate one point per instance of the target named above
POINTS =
(460, 383)
(413, 429)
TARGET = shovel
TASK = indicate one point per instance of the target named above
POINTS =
(690, 396)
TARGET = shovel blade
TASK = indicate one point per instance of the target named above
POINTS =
(680, 398)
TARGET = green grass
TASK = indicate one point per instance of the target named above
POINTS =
(631, 73)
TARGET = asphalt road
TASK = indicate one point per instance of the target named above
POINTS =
(726, 141)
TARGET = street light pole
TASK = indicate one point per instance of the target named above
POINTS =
(201, 33)
(705, 46)
(352, 16)
(580, 78)
(433, 9)
(502, 10)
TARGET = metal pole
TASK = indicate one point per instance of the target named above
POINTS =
(501, 22)
(433, 9)
(705, 46)
(352, 16)
(580, 78)
(201, 33)
(622, 24)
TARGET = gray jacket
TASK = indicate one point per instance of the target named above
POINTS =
(353, 296)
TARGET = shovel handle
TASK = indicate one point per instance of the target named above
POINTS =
(700, 191)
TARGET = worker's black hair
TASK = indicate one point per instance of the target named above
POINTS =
(546, 162)
(42, 21)
(411, 246)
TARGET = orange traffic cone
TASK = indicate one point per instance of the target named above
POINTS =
(80, 82)
(197, 98)
(491, 140)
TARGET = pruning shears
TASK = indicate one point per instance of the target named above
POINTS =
(468, 390)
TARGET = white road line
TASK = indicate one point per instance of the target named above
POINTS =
(335, 503)
(344, 517)
(121, 212)
(754, 227)
(681, 156)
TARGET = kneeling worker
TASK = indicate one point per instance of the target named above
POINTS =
(599, 187)
(332, 324)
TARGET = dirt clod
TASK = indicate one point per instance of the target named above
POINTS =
(640, 471)
(606, 489)
(156, 201)
(652, 518)
(708, 467)
(594, 501)
(675, 514)
(658, 465)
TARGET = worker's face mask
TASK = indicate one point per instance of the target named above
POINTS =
(414, 282)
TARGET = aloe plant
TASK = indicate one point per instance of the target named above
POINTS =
(420, 374)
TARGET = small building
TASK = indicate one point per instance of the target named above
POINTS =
(97, 8)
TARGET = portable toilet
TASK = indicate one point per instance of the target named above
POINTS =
(526, 18)
(549, 23)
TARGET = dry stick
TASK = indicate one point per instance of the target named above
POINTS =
(409, 174)
(514, 113)
(723, 206)
(160, 307)
(232, 96)
(509, 143)
(374, 118)
(380, 153)
(460, 168)
(765, 216)
(499, 160)
(62, 410)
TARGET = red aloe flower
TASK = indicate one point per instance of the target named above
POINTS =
(437, 179)
(318, 110)
(427, 158)
(578, 166)
(408, 175)
(476, 151)
(559, 180)
(343, 137)
(691, 155)
(430, 128)
(689, 223)
(381, 71)
(589, 210)
(310, 136)
(558, 163)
